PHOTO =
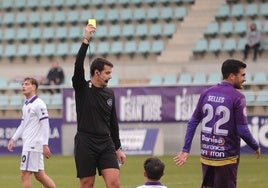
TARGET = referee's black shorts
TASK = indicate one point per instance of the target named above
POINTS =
(93, 153)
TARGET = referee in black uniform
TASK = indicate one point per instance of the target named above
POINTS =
(97, 143)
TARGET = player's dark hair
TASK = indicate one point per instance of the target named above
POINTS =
(32, 80)
(231, 66)
(98, 64)
(154, 168)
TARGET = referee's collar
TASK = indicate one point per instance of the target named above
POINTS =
(30, 100)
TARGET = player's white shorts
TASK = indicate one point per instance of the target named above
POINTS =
(32, 161)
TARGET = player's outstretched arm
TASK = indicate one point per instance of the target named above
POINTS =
(181, 158)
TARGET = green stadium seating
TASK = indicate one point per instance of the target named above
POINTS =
(223, 12)
(215, 45)
(166, 13)
(185, 79)
(7, 4)
(48, 33)
(10, 51)
(226, 28)
(72, 16)
(263, 10)
(240, 27)
(127, 30)
(35, 33)
(139, 14)
(21, 18)
(47, 17)
(112, 15)
(49, 49)
(156, 79)
(75, 32)
(15, 99)
(100, 15)
(157, 46)
(4, 101)
(155, 30)
(36, 50)
(32, 4)
(153, 13)
(20, 4)
(262, 96)
(60, 17)
(23, 50)
(214, 78)
(8, 18)
(212, 29)
(114, 31)
(62, 49)
(102, 32)
(9, 34)
(142, 30)
(169, 29)
(229, 45)
(144, 47)
(61, 32)
(180, 12)
(200, 78)
(252, 10)
(201, 46)
(126, 14)
(241, 44)
(117, 47)
(237, 11)
(103, 48)
(34, 17)
(260, 78)
(3, 82)
(130, 47)
(170, 78)
(114, 81)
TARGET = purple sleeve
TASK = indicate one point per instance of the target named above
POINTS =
(245, 134)
(191, 128)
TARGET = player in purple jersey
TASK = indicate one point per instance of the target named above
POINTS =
(221, 111)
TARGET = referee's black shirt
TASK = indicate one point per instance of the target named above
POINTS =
(95, 107)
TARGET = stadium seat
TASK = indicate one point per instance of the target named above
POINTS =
(130, 47)
(45, 4)
(58, 4)
(10, 51)
(126, 15)
(229, 45)
(9, 34)
(4, 101)
(139, 14)
(169, 29)
(166, 13)
(34, 17)
(103, 48)
(15, 100)
(61, 33)
(249, 78)
(155, 30)
(117, 47)
(102, 32)
(86, 13)
(21, 18)
(223, 12)
(241, 44)
(100, 15)
(214, 78)
(114, 31)
(7, 4)
(144, 47)
(127, 31)
(75, 32)
(46, 97)
(112, 15)
(49, 49)
(21, 4)
(8, 18)
(3, 82)
(226, 28)
(156, 79)
(22, 33)
(36, 50)
(180, 12)
(75, 46)
(215, 45)
(62, 49)
(263, 10)
(60, 16)
(262, 96)
(170, 78)
(250, 96)
(153, 13)
(259, 78)
(265, 27)
(35, 33)
(185, 79)
(32, 4)
(48, 33)
(142, 30)
(123, 2)
(240, 27)
(237, 11)
(252, 10)
(72, 16)
(158, 46)
(212, 29)
(23, 50)
(56, 100)
(201, 46)
(200, 79)
(47, 17)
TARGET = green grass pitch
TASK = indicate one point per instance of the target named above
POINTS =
(252, 173)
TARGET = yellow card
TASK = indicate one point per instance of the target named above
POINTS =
(92, 22)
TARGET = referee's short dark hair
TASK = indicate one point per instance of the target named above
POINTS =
(98, 64)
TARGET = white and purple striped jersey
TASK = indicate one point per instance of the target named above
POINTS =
(34, 126)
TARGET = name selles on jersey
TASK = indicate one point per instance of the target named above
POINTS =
(220, 108)
(32, 136)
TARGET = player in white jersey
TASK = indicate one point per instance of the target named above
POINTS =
(153, 171)
(34, 131)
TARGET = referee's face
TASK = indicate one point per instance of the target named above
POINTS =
(28, 89)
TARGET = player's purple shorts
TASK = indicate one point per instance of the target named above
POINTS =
(219, 176)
